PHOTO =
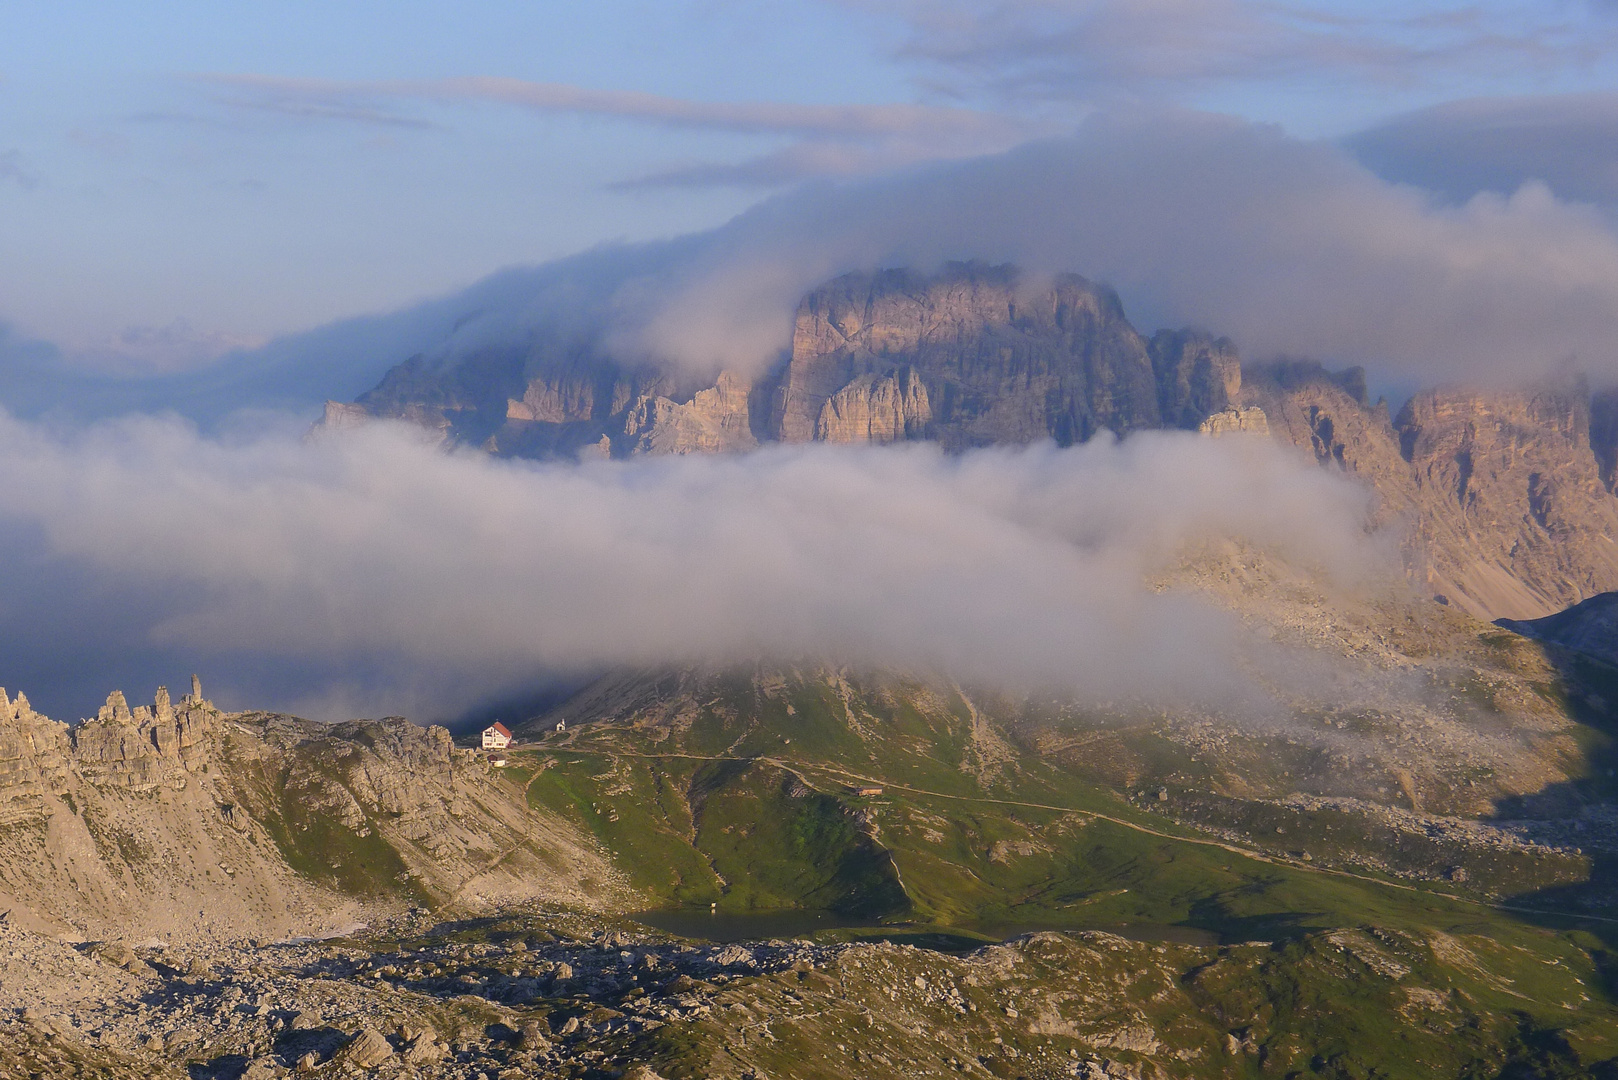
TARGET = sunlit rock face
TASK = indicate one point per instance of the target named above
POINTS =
(1499, 494)
(177, 819)
(1511, 480)
(971, 357)
(1503, 498)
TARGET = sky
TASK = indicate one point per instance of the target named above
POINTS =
(180, 180)
(215, 217)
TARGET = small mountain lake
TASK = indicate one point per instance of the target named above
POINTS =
(723, 927)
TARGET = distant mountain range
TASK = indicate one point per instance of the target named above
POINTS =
(1506, 495)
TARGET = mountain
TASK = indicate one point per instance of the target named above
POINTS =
(1501, 494)
(1407, 828)
(1387, 850)
(1408, 741)
(1505, 496)
(1016, 887)
(972, 356)
(178, 821)
(1589, 627)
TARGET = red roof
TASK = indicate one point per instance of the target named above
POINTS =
(501, 728)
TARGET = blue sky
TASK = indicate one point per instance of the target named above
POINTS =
(180, 178)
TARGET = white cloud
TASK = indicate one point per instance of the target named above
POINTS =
(374, 568)
(1288, 246)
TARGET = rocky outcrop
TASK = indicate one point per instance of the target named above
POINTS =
(34, 751)
(973, 356)
(714, 420)
(1198, 377)
(179, 820)
(1509, 485)
(149, 745)
(1505, 498)
(877, 409)
(1499, 494)
(1247, 420)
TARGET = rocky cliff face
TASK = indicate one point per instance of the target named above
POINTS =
(972, 356)
(179, 821)
(1505, 498)
(1510, 486)
(1499, 494)
(1197, 376)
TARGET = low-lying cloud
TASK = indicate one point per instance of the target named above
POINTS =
(371, 571)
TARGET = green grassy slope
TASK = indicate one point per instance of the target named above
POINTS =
(748, 803)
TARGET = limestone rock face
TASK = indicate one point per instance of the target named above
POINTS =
(554, 395)
(1249, 420)
(178, 820)
(148, 746)
(998, 359)
(972, 356)
(1505, 499)
(1511, 479)
(340, 414)
(1500, 493)
(1197, 376)
(716, 419)
(878, 409)
(34, 751)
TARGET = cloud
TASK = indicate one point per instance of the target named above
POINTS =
(1099, 50)
(749, 117)
(832, 139)
(375, 570)
(798, 162)
(1569, 142)
(153, 350)
(1288, 246)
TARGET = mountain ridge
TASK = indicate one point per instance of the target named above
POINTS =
(1505, 497)
(181, 821)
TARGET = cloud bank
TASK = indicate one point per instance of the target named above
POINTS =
(1569, 142)
(369, 571)
(1290, 247)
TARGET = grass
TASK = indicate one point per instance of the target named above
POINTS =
(318, 846)
(953, 852)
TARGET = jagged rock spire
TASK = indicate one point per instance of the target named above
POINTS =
(196, 687)
(116, 709)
